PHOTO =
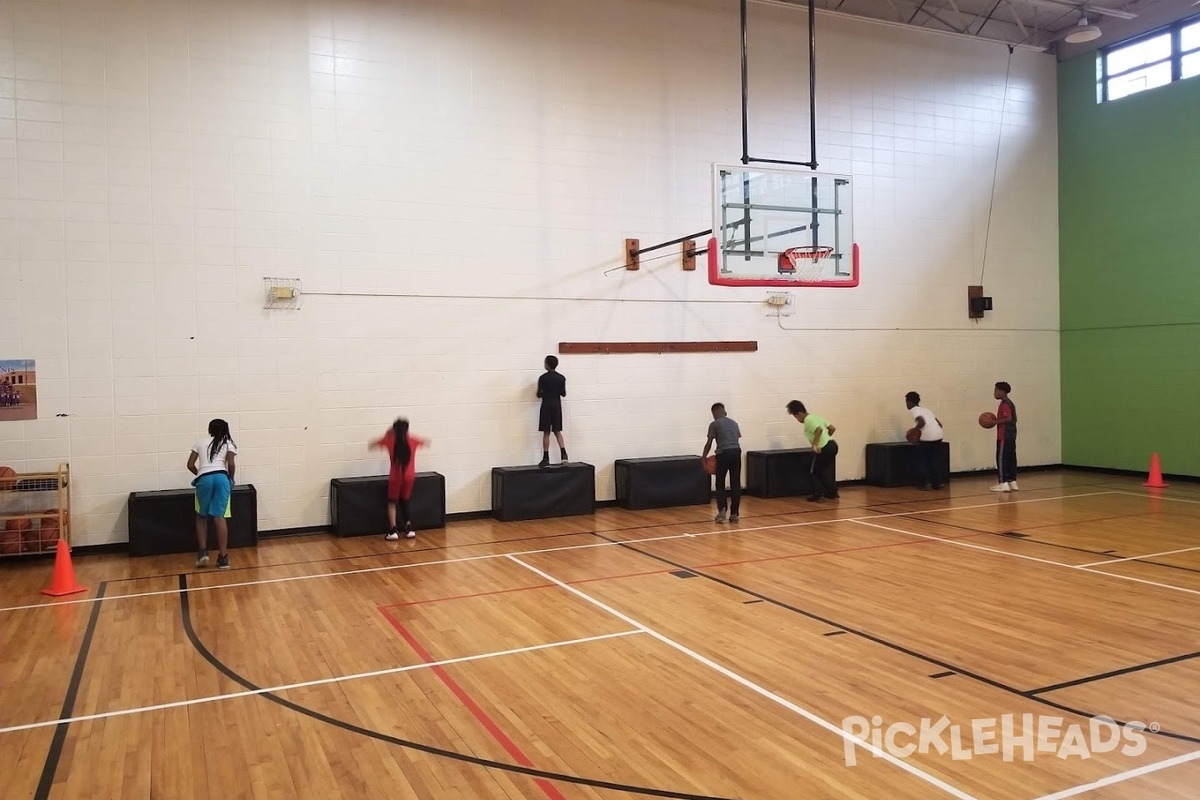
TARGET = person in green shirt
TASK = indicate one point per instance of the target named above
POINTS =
(819, 433)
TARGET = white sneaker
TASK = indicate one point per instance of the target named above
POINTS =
(392, 537)
(409, 533)
(1001, 487)
(1012, 485)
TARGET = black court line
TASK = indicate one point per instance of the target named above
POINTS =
(750, 602)
(1101, 676)
(1132, 559)
(185, 611)
(831, 633)
(385, 554)
(50, 767)
(943, 675)
(1162, 662)
(945, 665)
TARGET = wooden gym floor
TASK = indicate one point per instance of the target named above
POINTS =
(628, 655)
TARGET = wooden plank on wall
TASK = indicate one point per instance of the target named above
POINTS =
(612, 348)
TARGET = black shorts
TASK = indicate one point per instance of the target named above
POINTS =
(550, 419)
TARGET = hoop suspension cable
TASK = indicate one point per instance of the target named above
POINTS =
(996, 167)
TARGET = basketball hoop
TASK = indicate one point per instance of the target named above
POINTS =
(804, 263)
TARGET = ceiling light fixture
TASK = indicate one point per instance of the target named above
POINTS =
(1083, 32)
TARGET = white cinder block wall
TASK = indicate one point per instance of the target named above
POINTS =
(463, 173)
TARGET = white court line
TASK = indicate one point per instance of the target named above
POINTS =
(1156, 497)
(319, 682)
(1122, 776)
(489, 556)
(1029, 558)
(789, 705)
(1136, 558)
(882, 516)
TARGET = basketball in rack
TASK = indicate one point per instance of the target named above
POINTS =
(804, 262)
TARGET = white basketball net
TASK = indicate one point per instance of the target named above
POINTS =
(808, 262)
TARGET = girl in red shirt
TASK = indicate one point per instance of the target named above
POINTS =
(401, 447)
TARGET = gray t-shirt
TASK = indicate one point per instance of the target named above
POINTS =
(725, 432)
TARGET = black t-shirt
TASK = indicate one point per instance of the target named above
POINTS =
(552, 387)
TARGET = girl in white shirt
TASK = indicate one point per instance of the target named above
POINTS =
(213, 461)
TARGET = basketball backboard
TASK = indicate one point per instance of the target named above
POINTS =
(781, 227)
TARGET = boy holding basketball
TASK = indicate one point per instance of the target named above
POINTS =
(551, 388)
(725, 432)
(1006, 440)
(819, 433)
(929, 427)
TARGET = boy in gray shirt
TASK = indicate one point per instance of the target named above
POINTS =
(729, 460)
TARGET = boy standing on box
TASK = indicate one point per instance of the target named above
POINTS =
(551, 388)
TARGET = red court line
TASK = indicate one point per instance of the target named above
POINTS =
(847, 550)
(488, 723)
(523, 589)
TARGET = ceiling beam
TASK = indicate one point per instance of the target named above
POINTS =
(1083, 8)
(1017, 18)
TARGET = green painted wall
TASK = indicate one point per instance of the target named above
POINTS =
(1129, 221)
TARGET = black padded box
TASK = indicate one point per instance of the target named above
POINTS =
(780, 473)
(164, 522)
(358, 506)
(539, 492)
(895, 463)
(661, 482)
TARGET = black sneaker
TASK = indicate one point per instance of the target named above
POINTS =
(545, 462)
(202, 558)
(223, 561)
(833, 496)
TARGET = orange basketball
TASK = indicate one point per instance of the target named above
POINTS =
(17, 535)
(710, 465)
(32, 540)
(49, 533)
(987, 420)
(6, 475)
(10, 542)
(913, 435)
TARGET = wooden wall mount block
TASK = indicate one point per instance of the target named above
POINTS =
(614, 348)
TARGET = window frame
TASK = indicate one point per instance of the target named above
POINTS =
(1175, 59)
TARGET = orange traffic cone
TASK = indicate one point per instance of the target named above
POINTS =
(1156, 479)
(64, 573)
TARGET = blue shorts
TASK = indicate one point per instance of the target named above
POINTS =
(213, 491)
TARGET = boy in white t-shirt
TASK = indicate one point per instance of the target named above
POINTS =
(213, 461)
(928, 468)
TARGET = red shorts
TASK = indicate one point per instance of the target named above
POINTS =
(400, 485)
